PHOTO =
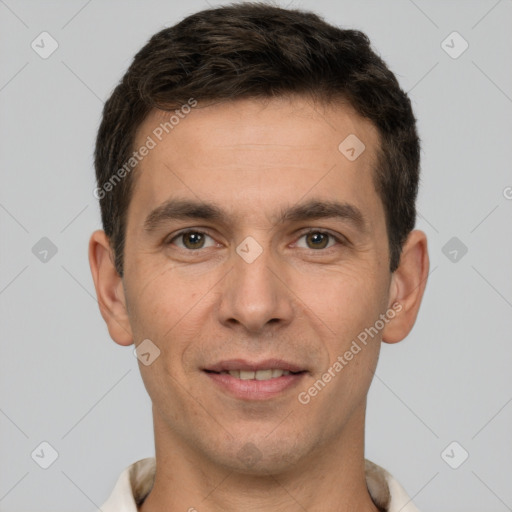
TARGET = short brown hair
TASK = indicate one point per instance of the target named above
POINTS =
(255, 50)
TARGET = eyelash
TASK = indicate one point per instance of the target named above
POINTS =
(340, 240)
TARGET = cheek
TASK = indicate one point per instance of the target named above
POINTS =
(170, 310)
(346, 301)
(165, 311)
(161, 299)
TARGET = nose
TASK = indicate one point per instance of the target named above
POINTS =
(254, 295)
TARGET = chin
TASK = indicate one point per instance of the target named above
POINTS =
(261, 458)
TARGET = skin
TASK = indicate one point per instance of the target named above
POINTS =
(295, 301)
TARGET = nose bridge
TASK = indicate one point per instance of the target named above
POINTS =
(253, 294)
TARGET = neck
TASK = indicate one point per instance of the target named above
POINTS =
(331, 479)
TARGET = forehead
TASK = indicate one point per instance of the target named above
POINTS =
(252, 124)
(247, 152)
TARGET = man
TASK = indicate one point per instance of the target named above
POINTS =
(257, 173)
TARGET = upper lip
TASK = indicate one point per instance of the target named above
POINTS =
(242, 364)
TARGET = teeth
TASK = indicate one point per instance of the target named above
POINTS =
(263, 374)
(271, 373)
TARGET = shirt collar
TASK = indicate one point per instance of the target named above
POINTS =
(136, 481)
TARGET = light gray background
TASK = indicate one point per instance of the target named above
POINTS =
(65, 382)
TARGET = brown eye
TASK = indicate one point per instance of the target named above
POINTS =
(192, 240)
(317, 240)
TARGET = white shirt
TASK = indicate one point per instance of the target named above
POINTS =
(136, 481)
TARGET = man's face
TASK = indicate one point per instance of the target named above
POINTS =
(259, 279)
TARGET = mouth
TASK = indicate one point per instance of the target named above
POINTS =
(255, 380)
(267, 374)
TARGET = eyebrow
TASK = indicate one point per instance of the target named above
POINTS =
(181, 209)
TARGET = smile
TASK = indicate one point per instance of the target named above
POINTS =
(273, 373)
(249, 388)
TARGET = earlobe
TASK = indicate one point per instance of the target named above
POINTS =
(109, 289)
(407, 287)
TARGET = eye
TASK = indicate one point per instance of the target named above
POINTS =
(192, 240)
(318, 240)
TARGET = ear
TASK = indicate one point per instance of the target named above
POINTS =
(407, 286)
(109, 289)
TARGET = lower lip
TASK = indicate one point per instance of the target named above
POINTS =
(253, 389)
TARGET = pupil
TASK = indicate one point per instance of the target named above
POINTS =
(193, 239)
(318, 239)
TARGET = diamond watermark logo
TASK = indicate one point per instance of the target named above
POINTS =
(146, 352)
(454, 249)
(249, 454)
(351, 147)
(44, 455)
(454, 45)
(44, 45)
(249, 249)
(454, 455)
(44, 250)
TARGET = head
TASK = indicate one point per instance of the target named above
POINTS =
(236, 225)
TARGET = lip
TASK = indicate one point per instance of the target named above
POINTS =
(242, 364)
(254, 390)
